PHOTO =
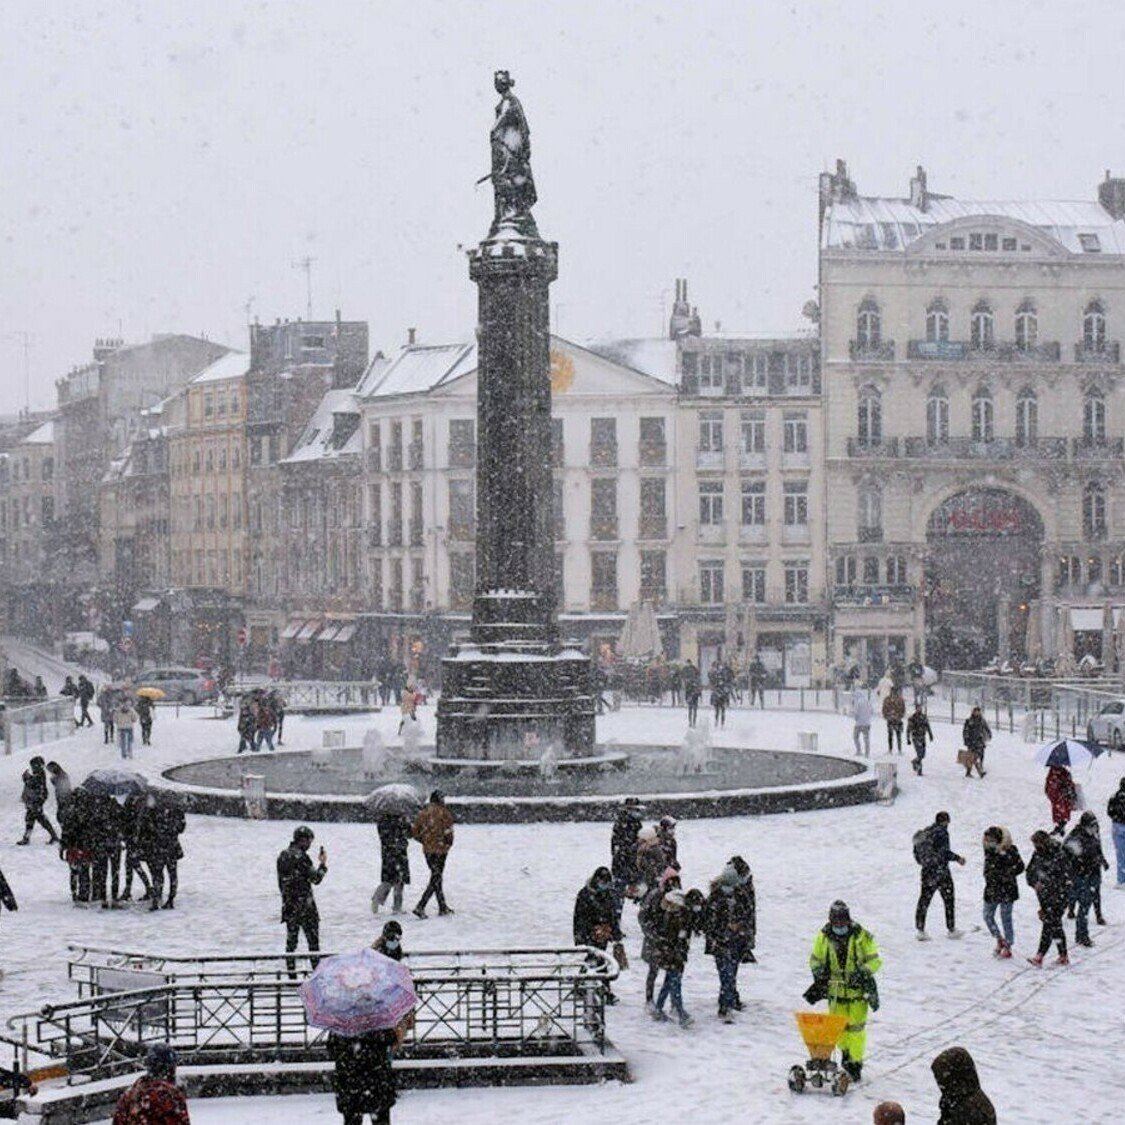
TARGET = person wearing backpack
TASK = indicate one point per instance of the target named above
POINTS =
(933, 854)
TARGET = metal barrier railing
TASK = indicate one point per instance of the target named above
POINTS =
(245, 1008)
(34, 724)
(321, 694)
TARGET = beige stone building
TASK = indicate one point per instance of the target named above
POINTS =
(974, 422)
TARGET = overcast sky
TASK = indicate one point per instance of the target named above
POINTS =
(163, 164)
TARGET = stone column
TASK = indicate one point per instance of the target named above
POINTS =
(1047, 607)
(1003, 627)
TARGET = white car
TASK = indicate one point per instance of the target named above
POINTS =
(1108, 725)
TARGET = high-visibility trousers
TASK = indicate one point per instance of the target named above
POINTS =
(853, 1042)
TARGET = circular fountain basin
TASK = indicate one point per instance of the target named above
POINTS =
(734, 782)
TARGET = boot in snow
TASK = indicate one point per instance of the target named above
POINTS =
(1037, 960)
(921, 935)
(1005, 950)
(1062, 959)
(955, 933)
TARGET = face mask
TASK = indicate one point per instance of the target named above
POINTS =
(604, 886)
(839, 931)
(696, 909)
(728, 889)
(391, 943)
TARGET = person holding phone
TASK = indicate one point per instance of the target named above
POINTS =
(296, 877)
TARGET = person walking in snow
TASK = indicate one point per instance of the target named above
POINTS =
(408, 706)
(894, 711)
(693, 692)
(918, 733)
(933, 854)
(862, 711)
(1063, 795)
(649, 917)
(666, 834)
(730, 927)
(963, 1102)
(86, 694)
(623, 852)
(146, 712)
(975, 733)
(671, 947)
(1087, 864)
(1003, 865)
(844, 962)
(107, 704)
(1115, 810)
(124, 719)
(758, 673)
(296, 877)
(265, 723)
(1050, 874)
(433, 829)
(394, 860)
(33, 798)
(595, 919)
(61, 783)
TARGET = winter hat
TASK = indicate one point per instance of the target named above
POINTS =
(36, 761)
(741, 866)
(674, 900)
(437, 797)
(1040, 838)
(1088, 819)
(941, 818)
(729, 876)
(889, 1113)
(303, 833)
(392, 930)
(667, 875)
(839, 914)
(601, 875)
(646, 836)
(668, 822)
(160, 1061)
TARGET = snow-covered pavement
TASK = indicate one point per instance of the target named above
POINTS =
(1048, 1043)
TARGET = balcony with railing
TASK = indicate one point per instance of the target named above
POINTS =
(882, 351)
(712, 533)
(1109, 352)
(753, 533)
(795, 534)
(886, 447)
(709, 459)
(751, 460)
(965, 350)
(873, 595)
(965, 448)
(1083, 450)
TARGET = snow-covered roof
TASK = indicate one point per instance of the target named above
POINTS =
(317, 441)
(417, 370)
(652, 356)
(233, 365)
(873, 223)
(42, 435)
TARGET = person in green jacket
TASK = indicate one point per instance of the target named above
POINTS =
(844, 962)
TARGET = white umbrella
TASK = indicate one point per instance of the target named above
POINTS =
(1067, 752)
(396, 798)
(650, 631)
(628, 643)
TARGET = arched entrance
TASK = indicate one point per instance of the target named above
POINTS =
(982, 573)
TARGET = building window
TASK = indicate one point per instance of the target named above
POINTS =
(753, 433)
(798, 372)
(603, 580)
(603, 508)
(711, 582)
(796, 583)
(937, 417)
(710, 503)
(1093, 327)
(796, 429)
(1027, 418)
(653, 452)
(870, 570)
(603, 442)
(374, 447)
(1027, 326)
(870, 513)
(711, 375)
(462, 509)
(755, 373)
(395, 592)
(1093, 511)
(462, 443)
(869, 418)
(1070, 570)
(867, 329)
(896, 570)
(1116, 570)
(937, 322)
(982, 415)
(753, 503)
(711, 431)
(1093, 419)
(796, 503)
(47, 469)
(653, 576)
(845, 570)
(654, 521)
(982, 334)
(754, 583)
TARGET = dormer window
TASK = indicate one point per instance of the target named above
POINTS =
(1089, 243)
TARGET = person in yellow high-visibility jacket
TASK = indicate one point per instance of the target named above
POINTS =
(844, 962)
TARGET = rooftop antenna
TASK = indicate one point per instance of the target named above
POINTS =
(306, 264)
(247, 305)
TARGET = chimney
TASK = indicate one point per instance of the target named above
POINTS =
(918, 195)
(1111, 195)
(835, 187)
(679, 323)
(411, 333)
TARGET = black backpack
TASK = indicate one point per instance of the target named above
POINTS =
(924, 845)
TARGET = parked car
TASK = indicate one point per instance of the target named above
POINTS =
(1108, 725)
(180, 685)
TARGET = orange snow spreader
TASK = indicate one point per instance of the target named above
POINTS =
(821, 1032)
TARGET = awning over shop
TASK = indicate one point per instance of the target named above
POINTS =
(346, 632)
(296, 624)
(328, 633)
(146, 605)
(309, 631)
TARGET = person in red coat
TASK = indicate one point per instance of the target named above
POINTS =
(154, 1099)
(1062, 794)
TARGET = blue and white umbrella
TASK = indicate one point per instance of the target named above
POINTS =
(1068, 752)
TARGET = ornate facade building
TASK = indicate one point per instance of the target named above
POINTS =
(974, 422)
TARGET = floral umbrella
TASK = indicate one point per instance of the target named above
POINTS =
(354, 993)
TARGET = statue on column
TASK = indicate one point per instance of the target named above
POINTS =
(512, 181)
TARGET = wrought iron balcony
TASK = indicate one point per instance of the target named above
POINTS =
(887, 447)
(1049, 352)
(1083, 450)
(873, 595)
(1109, 352)
(999, 449)
(881, 352)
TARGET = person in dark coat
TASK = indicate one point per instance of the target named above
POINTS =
(433, 829)
(730, 927)
(389, 942)
(894, 711)
(159, 827)
(34, 797)
(623, 852)
(265, 723)
(666, 834)
(69, 690)
(105, 838)
(933, 853)
(364, 1079)
(918, 733)
(7, 899)
(107, 705)
(246, 724)
(1050, 875)
(133, 849)
(394, 857)
(296, 878)
(595, 918)
(673, 942)
(86, 695)
(62, 785)
(1003, 865)
(649, 917)
(1088, 862)
(757, 672)
(693, 692)
(975, 735)
(277, 702)
(76, 822)
(963, 1102)
(1115, 810)
(146, 712)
